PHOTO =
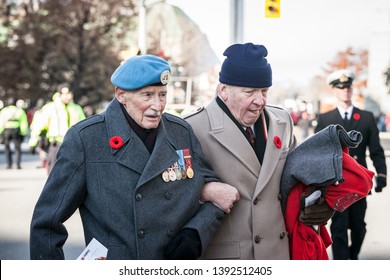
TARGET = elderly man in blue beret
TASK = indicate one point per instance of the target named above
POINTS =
(136, 175)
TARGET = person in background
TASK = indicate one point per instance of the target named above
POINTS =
(352, 118)
(55, 119)
(13, 129)
(304, 124)
(381, 122)
(31, 112)
(136, 175)
(246, 142)
(40, 142)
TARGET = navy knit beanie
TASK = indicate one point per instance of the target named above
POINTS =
(245, 65)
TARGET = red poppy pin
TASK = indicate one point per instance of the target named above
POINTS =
(116, 142)
(277, 142)
(356, 116)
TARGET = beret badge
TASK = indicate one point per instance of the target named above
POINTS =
(165, 76)
(343, 79)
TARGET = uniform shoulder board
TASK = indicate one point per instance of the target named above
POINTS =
(197, 111)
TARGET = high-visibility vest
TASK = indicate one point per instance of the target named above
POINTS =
(13, 117)
(56, 118)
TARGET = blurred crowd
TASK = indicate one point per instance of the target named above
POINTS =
(42, 125)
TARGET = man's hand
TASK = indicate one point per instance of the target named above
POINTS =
(220, 194)
(185, 245)
(318, 213)
(380, 183)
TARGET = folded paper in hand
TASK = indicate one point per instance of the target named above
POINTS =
(311, 199)
(94, 251)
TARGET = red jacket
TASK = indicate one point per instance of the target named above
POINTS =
(305, 243)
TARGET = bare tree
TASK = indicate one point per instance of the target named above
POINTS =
(63, 42)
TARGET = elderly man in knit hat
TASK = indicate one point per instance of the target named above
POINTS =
(246, 142)
(136, 175)
(353, 118)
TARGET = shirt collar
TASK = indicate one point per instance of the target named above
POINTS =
(342, 111)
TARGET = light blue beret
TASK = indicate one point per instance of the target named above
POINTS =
(141, 71)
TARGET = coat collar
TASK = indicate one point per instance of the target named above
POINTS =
(276, 128)
(116, 124)
(353, 121)
(225, 131)
(133, 154)
(164, 153)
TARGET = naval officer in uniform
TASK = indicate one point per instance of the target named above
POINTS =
(353, 118)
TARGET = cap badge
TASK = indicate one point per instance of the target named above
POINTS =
(343, 79)
(165, 76)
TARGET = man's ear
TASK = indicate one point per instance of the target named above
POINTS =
(222, 91)
(120, 95)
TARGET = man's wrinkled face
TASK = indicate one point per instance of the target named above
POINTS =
(246, 104)
(144, 105)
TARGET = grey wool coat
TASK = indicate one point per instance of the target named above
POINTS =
(317, 161)
(255, 228)
(123, 201)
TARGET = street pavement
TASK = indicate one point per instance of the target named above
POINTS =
(20, 189)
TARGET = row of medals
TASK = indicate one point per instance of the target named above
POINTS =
(173, 174)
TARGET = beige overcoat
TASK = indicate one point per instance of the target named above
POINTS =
(255, 228)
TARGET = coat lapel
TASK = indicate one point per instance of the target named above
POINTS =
(132, 148)
(163, 155)
(335, 117)
(133, 154)
(277, 128)
(225, 131)
(354, 121)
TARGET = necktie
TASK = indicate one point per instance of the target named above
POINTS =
(261, 137)
(345, 120)
(251, 135)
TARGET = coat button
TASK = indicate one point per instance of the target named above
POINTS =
(220, 216)
(282, 235)
(355, 157)
(255, 201)
(280, 197)
(170, 234)
(257, 239)
(168, 195)
(141, 234)
(138, 197)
